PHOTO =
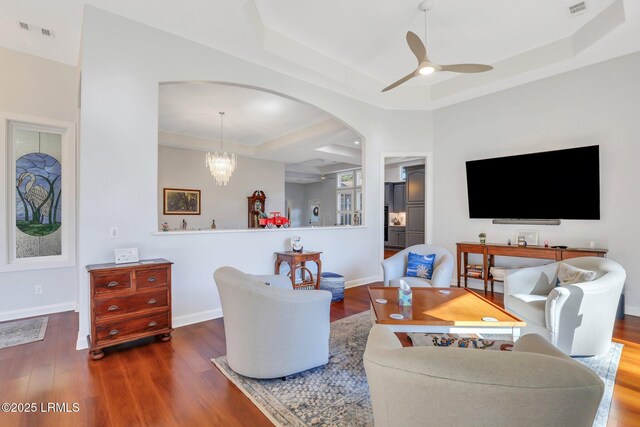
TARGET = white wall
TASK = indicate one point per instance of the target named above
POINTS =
(123, 62)
(296, 200)
(182, 168)
(594, 105)
(39, 89)
(325, 191)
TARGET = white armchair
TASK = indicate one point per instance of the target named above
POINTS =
(576, 318)
(272, 331)
(395, 267)
(533, 385)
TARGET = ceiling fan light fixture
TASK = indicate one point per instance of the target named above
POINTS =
(426, 70)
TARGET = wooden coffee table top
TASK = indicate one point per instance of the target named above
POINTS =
(461, 307)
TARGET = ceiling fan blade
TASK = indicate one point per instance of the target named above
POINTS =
(466, 68)
(399, 82)
(417, 47)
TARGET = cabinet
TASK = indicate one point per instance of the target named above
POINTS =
(388, 196)
(415, 206)
(129, 302)
(399, 197)
(397, 237)
(415, 184)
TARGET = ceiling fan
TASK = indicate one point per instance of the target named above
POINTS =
(425, 66)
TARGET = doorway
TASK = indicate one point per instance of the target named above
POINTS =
(404, 209)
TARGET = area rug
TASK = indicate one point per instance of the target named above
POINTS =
(338, 395)
(464, 341)
(18, 332)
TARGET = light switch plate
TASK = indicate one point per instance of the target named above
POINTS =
(126, 255)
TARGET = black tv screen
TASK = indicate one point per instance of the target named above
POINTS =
(562, 184)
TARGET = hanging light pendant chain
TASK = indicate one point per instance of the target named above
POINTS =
(425, 25)
(221, 129)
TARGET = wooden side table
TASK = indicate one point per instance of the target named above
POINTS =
(298, 260)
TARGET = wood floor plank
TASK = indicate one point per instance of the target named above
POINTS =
(152, 383)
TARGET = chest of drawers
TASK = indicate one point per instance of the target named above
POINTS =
(129, 302)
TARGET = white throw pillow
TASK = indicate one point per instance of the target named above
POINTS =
(568, 274)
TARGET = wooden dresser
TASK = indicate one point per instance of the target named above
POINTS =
(128, 302)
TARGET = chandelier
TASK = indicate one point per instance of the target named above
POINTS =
(220, 164)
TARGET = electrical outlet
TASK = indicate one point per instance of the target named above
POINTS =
(113, 232)
(38, 289)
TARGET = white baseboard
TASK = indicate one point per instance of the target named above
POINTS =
(177, 322)
(38, 311)
(632, 311)
(363, 281)
(82, 343)
(190, 319)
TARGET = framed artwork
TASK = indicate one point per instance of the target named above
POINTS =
(180, 201)
(528, 236)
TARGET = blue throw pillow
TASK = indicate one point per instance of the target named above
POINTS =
(420, 265)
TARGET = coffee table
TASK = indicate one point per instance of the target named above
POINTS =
(460, 311)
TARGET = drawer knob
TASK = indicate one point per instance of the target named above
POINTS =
(152, 301)
(152, 324)
(113, 308)
(151, 279)
(112, 284)
(113, 332)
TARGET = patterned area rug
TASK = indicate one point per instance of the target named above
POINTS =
(338, 395)
(18, 332)
(469, 341)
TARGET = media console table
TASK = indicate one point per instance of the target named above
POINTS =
(490, 250)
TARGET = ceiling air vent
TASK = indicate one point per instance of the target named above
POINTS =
(24, 25)
(46, 32)
(578, 8)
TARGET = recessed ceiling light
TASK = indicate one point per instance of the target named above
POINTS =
(356, 142)
(24, 25)
(46, 32)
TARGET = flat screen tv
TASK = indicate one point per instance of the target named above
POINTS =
(561, 184)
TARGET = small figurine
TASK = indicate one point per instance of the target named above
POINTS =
(509, 242)
(184, 224)
(546, 243)
(213, 224)
(483, 238)
(296, 244)
(165, 226)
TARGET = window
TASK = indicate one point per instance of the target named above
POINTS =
(345, 179)
(41, 187)
(345, 207)
(349, 197)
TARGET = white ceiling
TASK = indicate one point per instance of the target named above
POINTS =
(257, 124)
(357, 47)
(252, 117)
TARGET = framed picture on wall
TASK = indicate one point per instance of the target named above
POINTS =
(180, 201)
(528, 236)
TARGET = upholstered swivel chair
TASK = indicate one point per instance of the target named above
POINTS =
(577, 318)
(533, 385)
(271, 330)
(395, 267)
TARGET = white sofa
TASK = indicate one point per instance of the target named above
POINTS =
(576, 318)
(272, 331)
(395, 267)
(534, 385)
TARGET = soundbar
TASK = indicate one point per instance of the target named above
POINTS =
(527, 221)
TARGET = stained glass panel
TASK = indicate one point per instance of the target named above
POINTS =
(38, 187)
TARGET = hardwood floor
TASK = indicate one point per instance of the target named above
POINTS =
(173, 384)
